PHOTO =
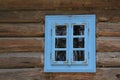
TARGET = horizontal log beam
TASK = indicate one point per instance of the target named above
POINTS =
(21, 60)
(104, 44)
(21, 30)
(35, 59)
(108, 29)
(108, 44)
(58, 4)
(101, 74)
(21, 45)
(21, 16)
(38, 74)
(108, 59)
(38, 16)
(37, 29)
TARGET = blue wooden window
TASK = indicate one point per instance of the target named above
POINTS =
(70, 43)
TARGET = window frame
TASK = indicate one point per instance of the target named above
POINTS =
(50, 22)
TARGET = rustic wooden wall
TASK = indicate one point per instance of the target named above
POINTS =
(22, 38)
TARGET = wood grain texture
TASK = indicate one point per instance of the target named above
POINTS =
(38, 74)
(108, 29)
(23, 74)
(38, 16)
(21, 60)
(21, 16)
(21, 30)
(36, 59)
(108, 44)
(22, 38)
(58, 4)
(101, 74)
(37, 29)
(21, 45)
(108, 59)
(104, 44)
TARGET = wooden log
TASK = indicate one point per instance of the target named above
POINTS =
(38, 16)
(38, 74)
(36, 59)
(108, 59)
(21, 16)
(101, 74)
(21, 30)
(23, 74)
(21, 60)
(21, 45)
(108, 29)
(58, 4)
(104, 44)
(108, 44)
(37, 29)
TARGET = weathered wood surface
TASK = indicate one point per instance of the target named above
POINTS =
(22, 38)
(32, 59)
(21, 44)
(104, 44)
(101, 74)
(38, 16)
(37, 29)
(21, 60)
(108, 29)
(58, 4)
(21, 16)
(38, 74)
(23, 74)
(108, 59)
(21, 30)
(108, 44)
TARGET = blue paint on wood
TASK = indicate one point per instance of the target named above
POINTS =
(69, 65)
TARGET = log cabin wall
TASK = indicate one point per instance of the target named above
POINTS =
(22, 38)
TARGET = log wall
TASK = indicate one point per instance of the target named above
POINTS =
(22, 38)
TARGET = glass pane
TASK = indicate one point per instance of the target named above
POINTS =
(78, 55)
(78, 30)
(60, 42)
(60, 55)
(78, 42)
(60, 30)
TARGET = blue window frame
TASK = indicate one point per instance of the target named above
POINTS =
(70, 43)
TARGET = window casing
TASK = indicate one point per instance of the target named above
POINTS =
(70, 43)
